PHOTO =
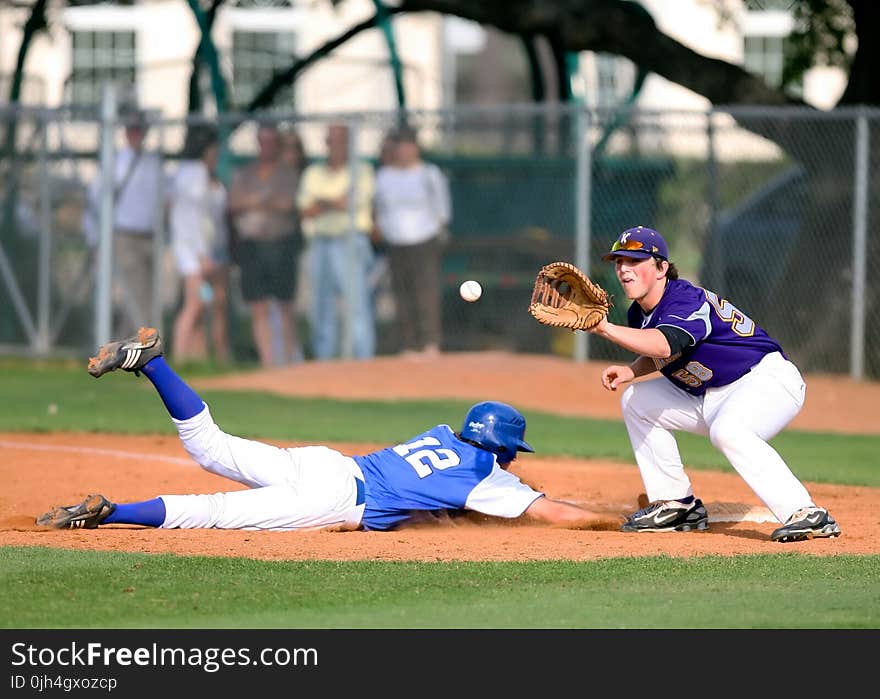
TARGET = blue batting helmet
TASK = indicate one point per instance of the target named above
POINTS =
(497, 427)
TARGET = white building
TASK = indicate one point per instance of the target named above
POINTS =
(151, 43)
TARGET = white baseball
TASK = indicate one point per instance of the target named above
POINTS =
(470, 290)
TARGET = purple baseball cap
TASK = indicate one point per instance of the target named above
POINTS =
(638, 243)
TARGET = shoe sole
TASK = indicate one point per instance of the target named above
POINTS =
(687, 527)
(76, 516)
(827, 532)
(102, 363)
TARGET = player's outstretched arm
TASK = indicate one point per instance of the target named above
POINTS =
(649, 342)
(564, 514)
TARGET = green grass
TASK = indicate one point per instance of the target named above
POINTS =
(48, 588)
(90, 405)
(51, 588)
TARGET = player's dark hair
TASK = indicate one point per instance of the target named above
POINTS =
(199, 137)
(470, 441)
(407, 134)
(671, 271)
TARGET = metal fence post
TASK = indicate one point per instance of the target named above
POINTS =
(104, 283)
(860, 245)
(582, 212)
(44, 275)
(354, 164)
(159, 233)
(713, 196)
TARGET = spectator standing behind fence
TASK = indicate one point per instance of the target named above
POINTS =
(413, 208)
(262, 205)
(200, 242)
(137, 196)
(339, 251)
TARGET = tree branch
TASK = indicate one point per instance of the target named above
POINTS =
(621, 28)
(282, 78)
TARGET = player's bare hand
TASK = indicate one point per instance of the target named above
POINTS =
(616, 375)
(599, 328)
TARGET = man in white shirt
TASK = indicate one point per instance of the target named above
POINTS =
(413, 208)
(138, 184)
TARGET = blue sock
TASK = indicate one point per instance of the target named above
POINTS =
(150, 513)
(179, 399)
(686, 501)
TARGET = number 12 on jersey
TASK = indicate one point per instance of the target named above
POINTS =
(425, 459)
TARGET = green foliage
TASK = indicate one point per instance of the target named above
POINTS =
(823, 34)
(49, 588)
(821, 31)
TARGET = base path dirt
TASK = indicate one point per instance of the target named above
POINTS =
(41, 470)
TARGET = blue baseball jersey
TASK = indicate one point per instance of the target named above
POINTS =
(725, 343)
(437, 471)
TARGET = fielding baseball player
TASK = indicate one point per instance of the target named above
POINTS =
(723, 377)
(316, 487)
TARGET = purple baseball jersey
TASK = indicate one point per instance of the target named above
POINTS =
(725, 343)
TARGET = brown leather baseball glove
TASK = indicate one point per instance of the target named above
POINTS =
(564, 297)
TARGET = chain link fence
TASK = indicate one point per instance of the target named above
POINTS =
(774, 209)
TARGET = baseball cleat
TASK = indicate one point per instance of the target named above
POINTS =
(87, 515)
(668, 516)
(807, 523)
(131, 354)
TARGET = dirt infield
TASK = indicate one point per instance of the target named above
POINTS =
(39, 470)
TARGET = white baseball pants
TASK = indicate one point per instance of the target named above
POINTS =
(295, 488)
(738, 419)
